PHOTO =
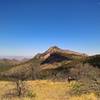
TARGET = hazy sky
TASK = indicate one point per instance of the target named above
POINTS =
(31, 26)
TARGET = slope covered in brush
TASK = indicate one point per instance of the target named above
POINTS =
(6, 64)
(55, 63)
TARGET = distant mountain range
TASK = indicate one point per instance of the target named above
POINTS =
(15, 57)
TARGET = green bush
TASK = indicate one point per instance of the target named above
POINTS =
(76, 88)
(31, 94)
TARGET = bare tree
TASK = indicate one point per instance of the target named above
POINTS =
(20, 87)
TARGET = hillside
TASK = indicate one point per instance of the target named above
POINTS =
(56, 64)
(6, 64)
(60, 65)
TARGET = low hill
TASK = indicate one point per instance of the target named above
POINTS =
(6, 64)
(93, 60)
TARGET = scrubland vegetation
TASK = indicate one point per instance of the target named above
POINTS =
(46, 90)
(53, 75)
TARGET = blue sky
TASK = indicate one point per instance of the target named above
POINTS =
(31, 26)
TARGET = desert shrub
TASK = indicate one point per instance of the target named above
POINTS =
(31, 94)
(20, 88)
(97, 93)
(93, 60)
(76, 88)
(79, 89)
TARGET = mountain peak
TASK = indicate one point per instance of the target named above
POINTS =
(53, 48)
(58, 51)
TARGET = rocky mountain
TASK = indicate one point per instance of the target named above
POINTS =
(56, 64)
(56, 50)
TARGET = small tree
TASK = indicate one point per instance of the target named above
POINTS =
(19, 81)
(20, 87)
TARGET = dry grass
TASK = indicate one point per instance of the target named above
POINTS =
(45, 90)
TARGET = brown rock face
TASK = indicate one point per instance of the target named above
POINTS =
(55, 51)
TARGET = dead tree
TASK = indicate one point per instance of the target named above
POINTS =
(20, 87)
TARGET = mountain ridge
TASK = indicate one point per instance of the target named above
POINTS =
(55, 63)
(55, 49)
